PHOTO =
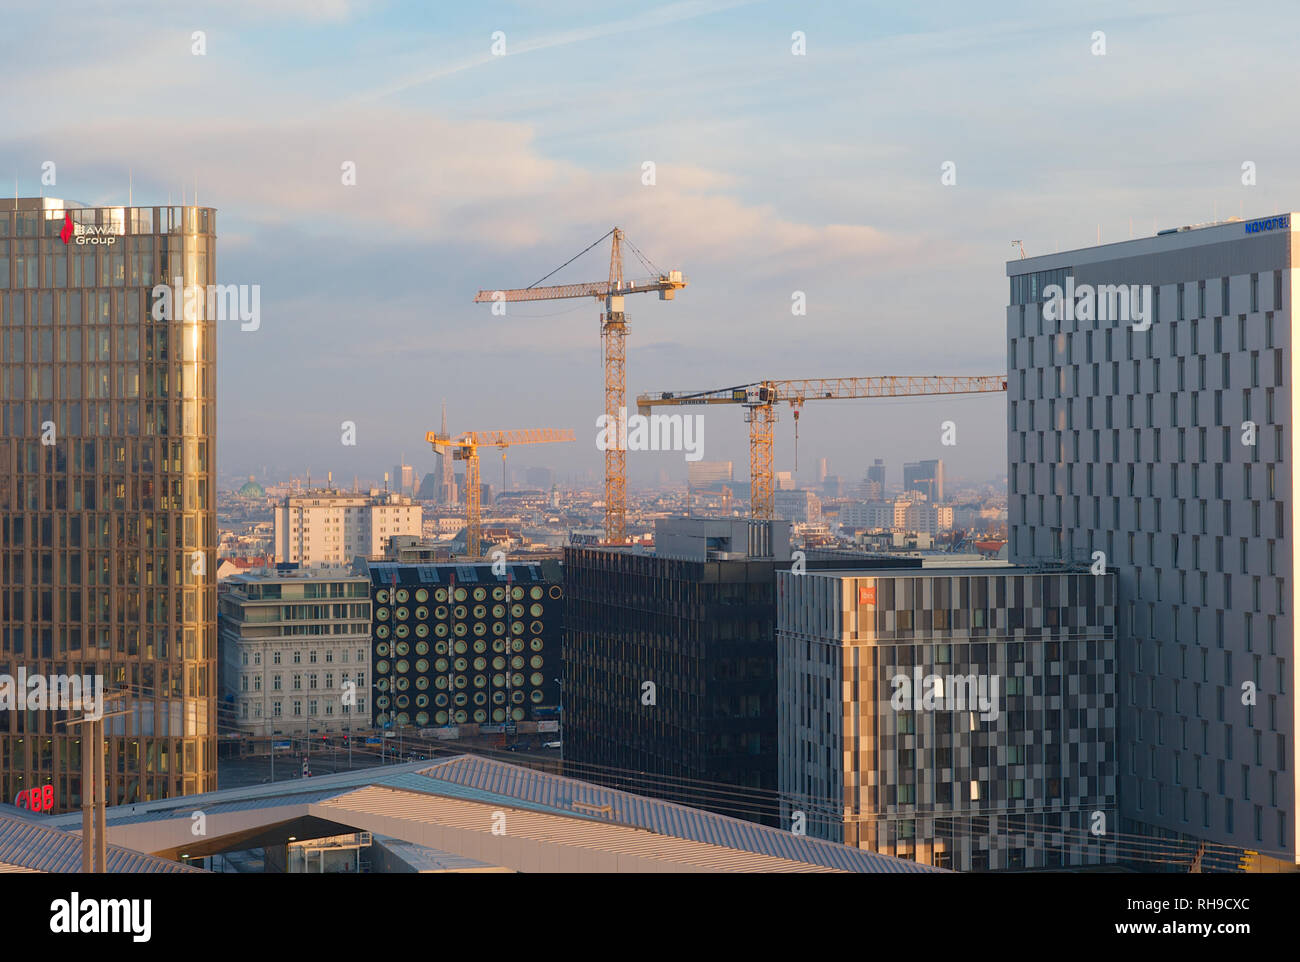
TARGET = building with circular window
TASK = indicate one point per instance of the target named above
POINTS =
(457, 644)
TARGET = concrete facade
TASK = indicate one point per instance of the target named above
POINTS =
(1166, 444)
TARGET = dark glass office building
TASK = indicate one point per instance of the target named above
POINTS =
(107, 519)
(695, 618)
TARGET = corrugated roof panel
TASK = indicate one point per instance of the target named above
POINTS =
(41, 848)
(559, 829)
(665, 818)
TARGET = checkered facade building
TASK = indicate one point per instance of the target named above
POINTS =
(1033, 786)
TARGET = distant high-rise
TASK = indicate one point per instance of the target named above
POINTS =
(876, 473)
(925, 477)
(402, 479)
(822, 470)
(107, 490)
(706, 474)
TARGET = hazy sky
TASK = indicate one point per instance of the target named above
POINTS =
(774, 173)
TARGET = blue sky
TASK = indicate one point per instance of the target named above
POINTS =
(775, 173)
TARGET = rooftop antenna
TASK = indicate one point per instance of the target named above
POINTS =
(130, 187)
(1021, 245)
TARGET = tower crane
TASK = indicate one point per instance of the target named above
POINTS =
(760, 399)
(465, 447)
(613, 330)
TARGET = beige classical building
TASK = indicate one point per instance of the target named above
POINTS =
(296, 651)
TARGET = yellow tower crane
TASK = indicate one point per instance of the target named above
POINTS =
(760, 400)
(465, 447)
(613, 329)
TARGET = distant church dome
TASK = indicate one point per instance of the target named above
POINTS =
(252, 489)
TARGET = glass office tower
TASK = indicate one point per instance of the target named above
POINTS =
(107, 519)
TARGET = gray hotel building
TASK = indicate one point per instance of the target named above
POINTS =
(1011, 766)
(1169, 449)
(107, 518)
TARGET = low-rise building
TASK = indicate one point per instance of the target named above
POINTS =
(295, 651)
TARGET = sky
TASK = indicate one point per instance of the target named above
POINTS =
(774, 173)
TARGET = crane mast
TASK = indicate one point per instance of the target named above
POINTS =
(613, 337)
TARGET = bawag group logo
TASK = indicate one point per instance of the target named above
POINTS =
(85, 233)
(75, 916)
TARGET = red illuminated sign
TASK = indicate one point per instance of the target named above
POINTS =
(38, 799)
(866, 596)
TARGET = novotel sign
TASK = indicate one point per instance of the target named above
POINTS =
(1281, 222)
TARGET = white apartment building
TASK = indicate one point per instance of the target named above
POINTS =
(327, 528)
(902, 514)
(705, 473)
(924, 517)
(800, 506)
(295, 651)
(1165, 442)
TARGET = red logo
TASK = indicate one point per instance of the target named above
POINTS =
(866, 596)
(37, 799)
(68, 231)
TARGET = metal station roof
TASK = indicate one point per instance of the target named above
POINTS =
(552, 809)
(28, 845)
